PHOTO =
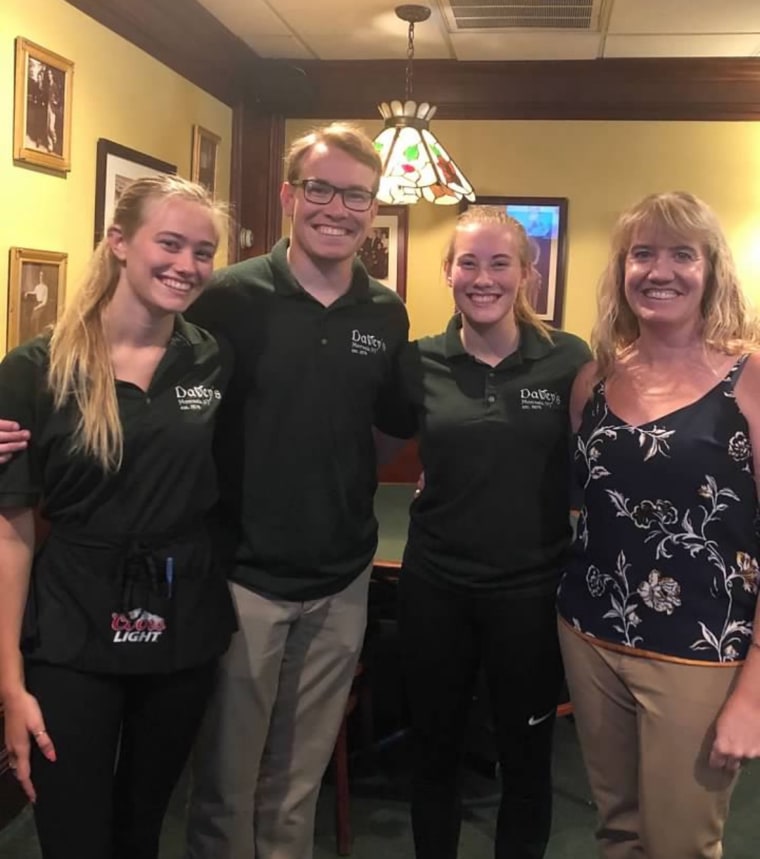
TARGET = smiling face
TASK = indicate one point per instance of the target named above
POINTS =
(665, 277)
(485, 272)
(331, 232)
(170, 257)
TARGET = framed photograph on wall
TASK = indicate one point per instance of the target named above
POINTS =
(36, 290)
(116, 167)
(42, 107)
(545, 222)
(384, 250)
(203, 163)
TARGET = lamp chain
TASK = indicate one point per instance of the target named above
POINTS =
(409, 81)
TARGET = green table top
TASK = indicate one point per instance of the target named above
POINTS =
(392, 511)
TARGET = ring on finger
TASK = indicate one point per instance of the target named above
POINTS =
(39, 733)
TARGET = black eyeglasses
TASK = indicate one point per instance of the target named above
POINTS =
(322, 193)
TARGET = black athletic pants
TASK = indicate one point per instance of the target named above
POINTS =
(447, 636)
(121, 744)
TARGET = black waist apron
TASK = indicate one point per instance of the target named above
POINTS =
(127, 604)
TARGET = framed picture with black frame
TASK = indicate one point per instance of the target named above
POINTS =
(384, 250)
(116, 167)
(545, 222)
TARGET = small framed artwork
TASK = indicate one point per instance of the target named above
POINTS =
(36, 292)
(42, 107)
(384, 250)
(116, 167)
(545, 222)
(204, 158)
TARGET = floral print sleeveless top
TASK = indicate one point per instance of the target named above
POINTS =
(666, 555)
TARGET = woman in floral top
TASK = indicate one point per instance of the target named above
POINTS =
(658, 603)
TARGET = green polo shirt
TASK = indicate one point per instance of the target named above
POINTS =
(296, 454)
(494, 444)
(168, 473)
(101, 597)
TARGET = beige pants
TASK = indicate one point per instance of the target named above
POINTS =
(646, 728)
(271, 726)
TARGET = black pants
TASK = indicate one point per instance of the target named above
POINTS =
(446, 637)
(121, 743)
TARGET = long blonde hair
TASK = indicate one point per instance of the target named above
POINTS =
(495, 215)
(80, 360)
(729, 324)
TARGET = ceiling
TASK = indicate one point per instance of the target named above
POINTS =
(495, 31)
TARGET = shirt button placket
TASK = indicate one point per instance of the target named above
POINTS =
(491, 387)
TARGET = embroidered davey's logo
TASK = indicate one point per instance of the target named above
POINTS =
(137, 626)
(539, 398)
(196, 399)
(366, 344)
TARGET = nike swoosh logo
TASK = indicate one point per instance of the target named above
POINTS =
(537, 721)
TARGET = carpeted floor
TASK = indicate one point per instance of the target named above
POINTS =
(380, 815)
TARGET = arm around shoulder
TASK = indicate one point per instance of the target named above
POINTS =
(20, 377)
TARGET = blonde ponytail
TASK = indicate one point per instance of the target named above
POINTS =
(80, 358)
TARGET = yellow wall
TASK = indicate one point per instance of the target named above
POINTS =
(601, 167)
(119, 93)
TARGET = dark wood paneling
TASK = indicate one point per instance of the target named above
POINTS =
(685, 89)
(236, 181)
(261, 168)
(184, 36)
(187, 38)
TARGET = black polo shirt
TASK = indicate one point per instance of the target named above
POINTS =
(296, 455)
(155, 506)
(168, 474)
(494, 444)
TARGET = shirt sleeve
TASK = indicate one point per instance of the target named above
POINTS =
(584, 354)
(395, 410)
(218, 308)
(21, 379)
(235, 314)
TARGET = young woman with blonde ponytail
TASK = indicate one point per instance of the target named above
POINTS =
(488, 534)
(110, 632)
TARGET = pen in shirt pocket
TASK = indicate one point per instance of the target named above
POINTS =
(169, 576)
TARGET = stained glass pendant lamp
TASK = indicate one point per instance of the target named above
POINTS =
(415, 165)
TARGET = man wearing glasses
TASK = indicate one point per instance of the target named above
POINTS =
(315, 342)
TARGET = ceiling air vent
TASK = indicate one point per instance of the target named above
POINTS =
(463, 15)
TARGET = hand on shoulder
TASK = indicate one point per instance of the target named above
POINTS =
(12, 440)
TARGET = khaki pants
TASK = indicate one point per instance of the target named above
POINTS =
(271, 726)
(646, 728)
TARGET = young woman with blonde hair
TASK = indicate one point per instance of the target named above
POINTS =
(110, 632)
(488, 534)
(659, 600)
